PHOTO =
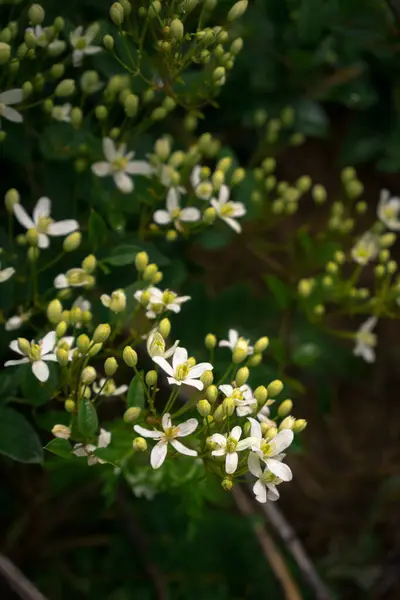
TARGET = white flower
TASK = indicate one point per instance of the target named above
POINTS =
(229, 446)
(228, 211)
(7, 99)
(36, 354)
(5, 274)
(265, 486)
(242, 396)
(16, 321)
(235, 342)
(61, 431)
(62, 113)
(389, 211)
(116, 302)
(43, 223)
(81, 42)
(40, 35)
(82, 303)
(202, 187)
(174, 214)
(108, 388)
(118, 163)
(103, 441)
(72, 278)
(67, 343)
(366, 248)
(161, 301)
(366, 340)
(181, 372)
(156, 345)
(270, 452)
(169, 434)
(263, 416)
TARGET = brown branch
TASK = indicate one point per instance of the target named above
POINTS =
(17, 581)
(268, 546)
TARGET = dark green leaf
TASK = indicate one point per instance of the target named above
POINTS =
(123, 255)
(312, 119)
(87, 418)
(136, 396)
(33, 390)
(280, 290)
(18, 439)
(97, 230)
(60, 447)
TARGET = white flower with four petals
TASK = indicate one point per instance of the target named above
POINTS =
(37, 354)
(389, 210)
(181, 372)
(87, 450)
(174, 214)
(236, 342)
(270, 451)
(81, 41)
(227, 210)
(7, 99)
(265, 487)
(366, 340)
(229, 446)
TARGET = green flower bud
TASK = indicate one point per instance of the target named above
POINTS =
(207, 378)
(6, 35)
(151, 378)
(354, 188)
(83, 343)
(33, 253)
(101, 333)
(162, 148)
(285, 408)
(61, 329)
(48, 106)
(129, 356)
(150, 271)
(386, 240)
(158, 114)
(218, 74)
(117, 13)
(5, 53)
(212, 393)
(58, 24)
(299, 425)
(239, 355)
(76, 117)
(228, 406)
(95, 349)
(126, 5)
(57, 71)
(209, 215)
(164, 328)
(11, 198)
(261, 395)
(242, 376)
(237, 176)
(89, 263)
(319, 193)
(169, 103)
(255, 359)
(154, 9)
(392, 267)
(204, 408)
(101, 112)
(236, 46)
(54, 311)
(62, 356)
(270, 432)
(65, 88)
(141, 261)
(145, 298)
(274, 388)
(110, 366)
(238, 10)
(139, 444)
(36, 14)
(23, 345)
(72, 241)
(210, 341)
(219, 414)
(227, 484)
(30, 39)
(131, 105)
(177, 29)
(108, 42)
(88, 375)
(69, 405)
(287, 423)
(261, 344)
(131, 414)
(305, 287)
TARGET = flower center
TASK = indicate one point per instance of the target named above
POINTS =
(109, 388)
(81, 43)
(175, 213)
(237, 395)
(157, 308)
(367, 338)
(390, 212)
(119, 163)
(231, 444)
(242, 344)
(182, 371)
(266, 448)
(43, 224)
(268, 477)
(226, 210)
(171, 432)
(168, 297)
(35, 352)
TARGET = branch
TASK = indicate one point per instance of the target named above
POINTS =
(17, 581)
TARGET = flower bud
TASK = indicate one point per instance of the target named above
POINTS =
(108, 42)
(236, 46)
(209, 215)
(110, 366)
(76, 117)
(169, 103)
(227, 484)
(177, 29)
(93, 350)
(131, 414)
(69, 405)
(151, 378)
(162, 148)
(287, 423)
(242, 376)
(158, 114)
(5, 53)
(228, 406)
(392, 267)
(255, 359)
(285, 408)
(207, 378)
(150, 271)
(157, 277)
(237, 176)
(65, 88)
(210, 341)
(139, 444)
(24, 345)
(11, 198)
(270, 433)
(218, 179)
(101, 112)
(218, 74)
(62, 356)
(72, 241)
(83, 343)
(261, 395)
(299, 425)
(385, 241)
(33, 254)
(305, 287)
(354, 188)
(88, 375)
(36, 14)
(319, 193)
(239, 355)
(261, 344)
(171, 235)
(212, 393)
(164, 327)
(219, 414)
(131, 105)
(101, 333)
(238, 10)
(145, 298)
(204, 408)
(54, 311)
(61, 431)
(274, 388)
(117, 13)
(129, 356)
(61, 329)
(89, 263)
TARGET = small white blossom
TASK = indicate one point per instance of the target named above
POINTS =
(7, 99)
(181, 372)
(265, 487)
(389, 210)
(366, 248)
(169, 434)
(15, 322)
(61, 431)
(366, 340)
(108, 388)
(202, 187)
(37, 354)
(6, 273)
(156, 345)
(40, 35)
(229, 446)
(116, 302)
(161, 301)
(174, 214)
(242, 396)
(228, 211)
(81, 41)
(42, 222)
(270, 452)
(62, 113)
(72, 278)
(235, 342)
(103, 441)
(120, 165)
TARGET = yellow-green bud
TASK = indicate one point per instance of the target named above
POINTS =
(110, 366)
(61, 329)
(354, 188)
(131, 105)
(69, 405)
(145, 298)
(101, 333)
(392, 267)
(150, 271)
(287, 117)
(101, 112)
(236, 46)
(379, 270)
(89, 263)
(385, 241)
(237, 176)
(171, 235)
(157, 277)
(36, 14)
(319, 310)
(270, 433)
(331, 268)
(76, 314)
(162, 148)
(65, 88)
(299, 425)
(164, 327)
(304, 183)
(209, 215)
(361, 207)
(24, 345)
(177, 29)
(54, 311)
(226, 483)
(238, 10)
(239, 355)
(212, 393)
(224, 164)
(219, 414)
(210, 341)
(93, 350)
(228, 406)
(158, 114)
(11, 198)
(141, 261)
(218, 179)
(261, 344)
(6, 35)
(255, 359)
(207, 378)
(62, 356)
(27, 89)
(327, 281)
(319, 193)
(117, 13)
(274, 388)
(218, 74)
(72, 241)
(261, 394)
(285, 408)
(76, 117)
(242, 376)
(5, 53)
(287, 423)
(88, 375)
(139, 444)
(384, 255)
(32, 237)
(33, 254)
(204, 408)
(305, 287)
(151, 378)
(169, 103)
(131, 414)
(108, 42)
(130, 357)
(83, 343)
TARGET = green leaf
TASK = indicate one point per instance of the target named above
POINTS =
(18, 439)
(136, 396)
(33, 390)
(123, 255)
(60, 447)
(310, 21)
(87, 418)
(279, 290)
(97, 230)
(312, 119)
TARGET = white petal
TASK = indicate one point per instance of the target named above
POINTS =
(282, 440)
(233, 337)
(179, 357)
(109, 149)
(150, 433)
(123, 182)
(223, 194)
(11, 114)
(226, 389)
(236, 433)
(172, 200)
(63, 227)
(173, 381)
(11, 96)
(105, 300)
(15, 348)
(158, 454)
(48, 342)
(196, 383)
(218, 452)
(187, 427)
(139, 167)
(233, 224)
(199, 369)
(368, 325)
(224, 344)
(42, 209)
(239, 209)
(101, 169)
(255, 430)
(195, 176)
(219, 439)
(273, 493)
(43, 241)
(6, 274)
(90, 50)
(190, 214)
(20, 361)
(260, 491)
(40, 370)
(183, 449)
(231, 462)
(162, 217)
(61, 282)
(279, 469)
(166, 421)
(253, 463)
(52, 357)
(120, 390)
(104, 439)
(161, 362)
(13, 323)
(244, 444)
(22, 217)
